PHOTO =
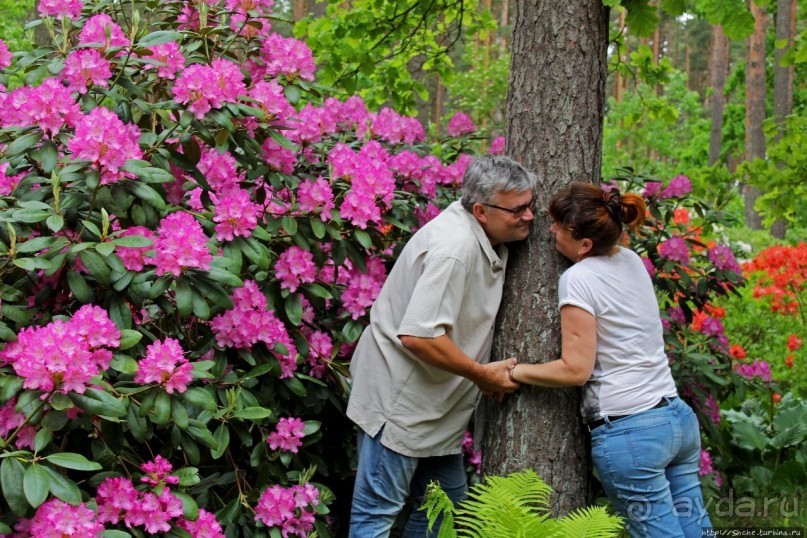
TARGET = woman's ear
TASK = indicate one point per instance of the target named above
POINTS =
(585, 247)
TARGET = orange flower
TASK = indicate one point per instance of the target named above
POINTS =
(776, 397)
(789, 361)
(697, 320)
(737, 351)
(681, 216)
(716, 311)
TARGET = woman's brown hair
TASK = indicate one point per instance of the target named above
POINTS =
(596, 214)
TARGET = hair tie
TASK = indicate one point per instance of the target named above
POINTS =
(613, 203)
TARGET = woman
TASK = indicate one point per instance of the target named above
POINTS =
(645, 441)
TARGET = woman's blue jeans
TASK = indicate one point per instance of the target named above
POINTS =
(648, 465)
(386, 480)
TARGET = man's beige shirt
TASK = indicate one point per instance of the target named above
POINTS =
(447, 280)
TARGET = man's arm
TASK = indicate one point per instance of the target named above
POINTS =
(443, 353)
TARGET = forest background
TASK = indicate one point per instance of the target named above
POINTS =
(721, 105)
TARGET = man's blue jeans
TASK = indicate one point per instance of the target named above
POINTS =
(385, 480)
(648, 465)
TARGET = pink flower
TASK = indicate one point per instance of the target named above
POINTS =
(5, 55)
(60, 8)
(8, 183)
(104, 140)
(181, 244)
(209, 86)
(155, 512)
(497, 145)
(56, 519)
(116, 497)
(316, 196)
(279, 158)
(651, 188)
(287, 56)
(320, 347)
(460, 124)
(676, 249)
(205, 526)
(63, 356)
(157, 472)
(363, 288)
(290, 508)
(170, 58)
(679, 187)
(10, 420)
(758, 369)
(397, 129)
(249, 322)
(350, 115)
(85, 67)
(288, 435)
(648, 264)
(134, 258)
(49, 105)
(272, 100)
(102, 30)
(220, 170)
(723, 259)
(235, 214)
(359, 208)
(165, 364)
(295, 266)
(474, 456)
(705, 464)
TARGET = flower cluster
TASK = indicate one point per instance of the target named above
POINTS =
(295, 266)
(85, 67)
(102, 32)
(56, 519)
(50, 106)
(235, 214)
(782, 274)
(206, 87)
(158, 472)
(676, 249)
(104, 140)
(166, 365)
(181, 244)
(118, 500)
(63, 356)
(250, 322)
(5, 55)
(474, 457)
(363, 288)
(168, 60)
(10, 420)
(757, 369)
(287, 56)
(288, 435)
(460, 124)
(290, 509)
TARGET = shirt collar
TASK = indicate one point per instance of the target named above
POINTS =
(496, 256)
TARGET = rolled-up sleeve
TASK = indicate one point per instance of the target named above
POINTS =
(436, 300)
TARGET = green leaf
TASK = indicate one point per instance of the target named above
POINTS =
(12, 474)
(222, 436)
(161, 412)
(36, 484)
(158, 38)
(188, 476)
(129, 338)
(318, 227)
(253, 413)
(112, 533)
(99, 402)
(225, 277)
(147, 194)
(317, 290)
(179, 415)
(97, 267)
(70, 460)
(199, 432)
(105, 249)
(137, 424)
(36, 244)
(81, 291)
(42, 439)
(47, 156)
(60, 402)
(295, 386)
(63, 488)
(311, 426)
(293, 93)
(289, 225)
(363, 238)
(190, 510)
(23, 143)
(351, 331)
(294, 308)
(200, 398)
(30, 216)
(200, 307)
(184, 297)
(133, 241)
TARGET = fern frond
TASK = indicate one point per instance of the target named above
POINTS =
(436, 502)
(589, 522)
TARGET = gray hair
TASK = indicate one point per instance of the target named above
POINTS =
(491, 174)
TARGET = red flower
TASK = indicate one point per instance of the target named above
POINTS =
(789, 361)
(776, 397)
(793, 343)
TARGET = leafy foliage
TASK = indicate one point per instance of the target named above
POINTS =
(191, 234)
(372, 48)
(516, 505)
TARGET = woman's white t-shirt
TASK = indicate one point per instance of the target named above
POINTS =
(631, 372)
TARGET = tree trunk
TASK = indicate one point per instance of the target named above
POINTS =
(554, 127)
(783, 81)
(719, 70)
(754, 108)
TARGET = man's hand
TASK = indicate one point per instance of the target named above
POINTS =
(495, 378)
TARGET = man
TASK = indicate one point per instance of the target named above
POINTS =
(420, 364)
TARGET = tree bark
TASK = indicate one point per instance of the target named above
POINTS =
(719, 70)
(754, 108)
(783, 81)
(555, 113)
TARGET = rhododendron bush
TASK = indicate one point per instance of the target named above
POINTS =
(192, 234)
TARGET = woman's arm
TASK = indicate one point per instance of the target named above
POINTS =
(578, 353)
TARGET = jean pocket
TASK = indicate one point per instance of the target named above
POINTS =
(651, 446)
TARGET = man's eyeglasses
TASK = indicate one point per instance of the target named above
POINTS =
(517, 212)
